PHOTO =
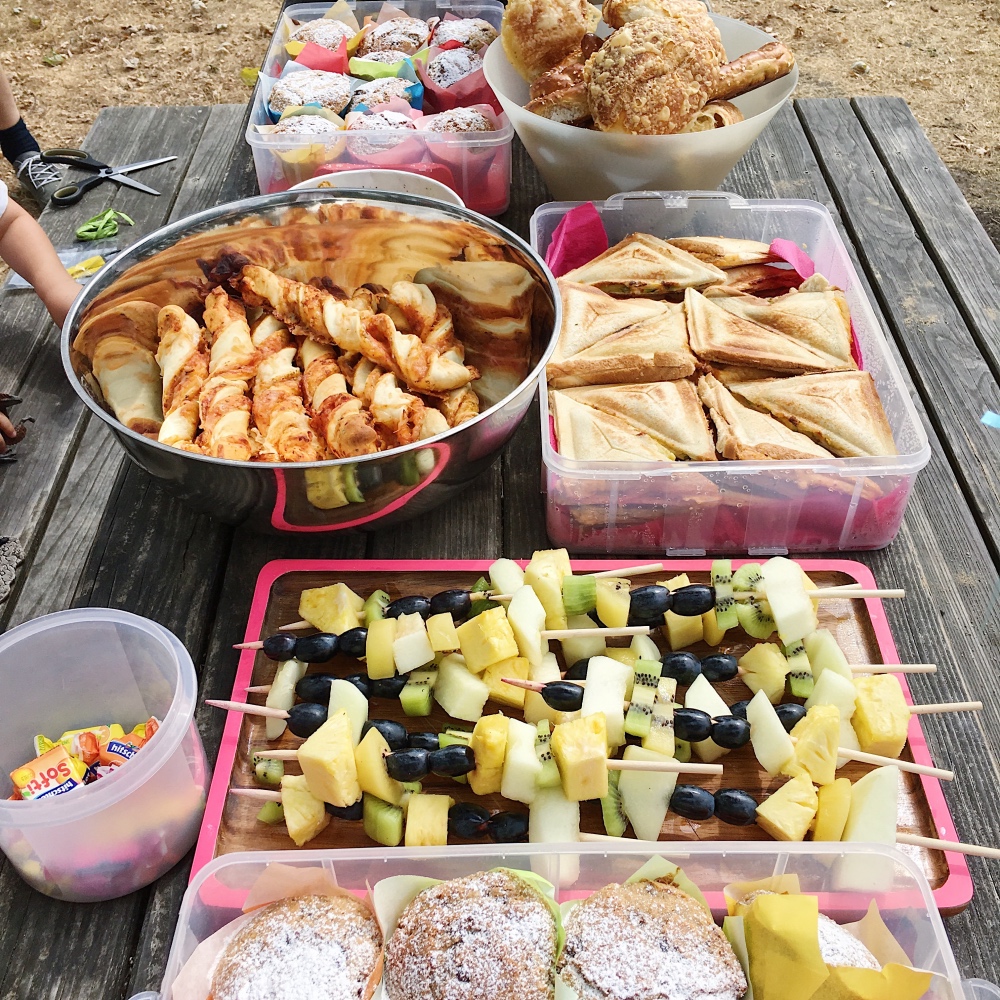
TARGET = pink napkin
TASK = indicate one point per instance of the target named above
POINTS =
(579, 238)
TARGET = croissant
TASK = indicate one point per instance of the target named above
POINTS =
(183, 359)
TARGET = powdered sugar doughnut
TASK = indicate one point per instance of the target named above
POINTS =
(406, 34)
(472, 32)
(450, 66)
(314, 86)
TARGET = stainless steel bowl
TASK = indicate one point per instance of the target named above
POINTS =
(279, 497)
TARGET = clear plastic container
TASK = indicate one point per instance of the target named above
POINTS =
(582, 163)
(89, 667)
(475, 165)
(694, 508)
(216, 893)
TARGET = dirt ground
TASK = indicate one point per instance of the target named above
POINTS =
(67, 61)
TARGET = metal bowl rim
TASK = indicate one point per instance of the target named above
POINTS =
(261, 203)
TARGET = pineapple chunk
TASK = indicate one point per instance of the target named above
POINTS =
(580, 748)
(344, 695)
(427, 820)
(765, 669)
(535, 708)
(881, 715)
(327, 761)
(521, 766)
(442, 633)
(788, 813)
(527, 617)
(369, 760)
(613, 600)
(379, 646)
(681, 631)
(331, 609)
(710, 627)
(544, 574)
(487, 639)
(623, 654)
(834, 807)
(461, 694)
(507, 694)
(816, 737)
(489, 744)
(411, 648)
(325, 488)
(305, 815)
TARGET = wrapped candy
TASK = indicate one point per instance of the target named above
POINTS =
(55, 772)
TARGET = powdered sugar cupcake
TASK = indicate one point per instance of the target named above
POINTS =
(314, 86)
(471, 32)
(325, 32)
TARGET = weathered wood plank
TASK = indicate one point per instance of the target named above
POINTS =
(209, 163)
(963, 251)
(941, 560)
(953, 378)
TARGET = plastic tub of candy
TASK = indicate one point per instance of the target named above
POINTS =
(693, 508)
(476, 165)
(89, 667)
(583, 163)
(217, 892)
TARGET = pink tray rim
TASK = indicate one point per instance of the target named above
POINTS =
(953, 895)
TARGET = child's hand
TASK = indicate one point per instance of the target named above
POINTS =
(9, 433)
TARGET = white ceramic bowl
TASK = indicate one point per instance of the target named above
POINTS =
(384, 180)
(580, 164)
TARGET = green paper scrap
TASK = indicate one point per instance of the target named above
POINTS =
(102, 225)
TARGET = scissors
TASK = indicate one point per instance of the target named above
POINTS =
(71, 193)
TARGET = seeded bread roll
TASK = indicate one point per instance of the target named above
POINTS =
(486, 935)
(675, 950)
(537, 34)
(651, 76)
(306, 946)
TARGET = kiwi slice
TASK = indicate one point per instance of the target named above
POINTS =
(579, 594)
(725, 606)
(639, 717)
(416, 696)
(351, 490)
(614, 816)
(374, 608)
(383, 822)
(450, 737)
(268, 771)
(484, 604)
(748, 577)
(549, 776)
(271, 813)
(682, 751)
(754, 616)
(800, 675)
(660, 737)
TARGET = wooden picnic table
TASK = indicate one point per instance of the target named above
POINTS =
(97, 530)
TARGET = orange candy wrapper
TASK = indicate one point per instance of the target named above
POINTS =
(116, 751)
(55, 772)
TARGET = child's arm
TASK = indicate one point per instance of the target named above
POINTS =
(24, 245)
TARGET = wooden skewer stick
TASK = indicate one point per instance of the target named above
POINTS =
(824, 593)
(893, 668)
(672, 766)
(568, 633)
(954, 706)
(239, 706)
(293, 627)
(260, 794)
(903, 765)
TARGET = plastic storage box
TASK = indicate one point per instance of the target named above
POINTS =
(693, 508)
(475, 165)
(89, 667)
(218, 890)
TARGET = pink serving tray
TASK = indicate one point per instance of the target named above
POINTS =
(952, 896)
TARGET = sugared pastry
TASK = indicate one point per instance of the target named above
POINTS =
(485, 935)
(404, 34)
(651, 76)
(617, 13)
(537, 34)
(569, 106)
(676, 951)
(472, 32)
(324, 32)
(715, 114)
(305, 946)
(459, 120)
(387, 56)
(841, 948)
(380, 91)
(304, 125)
(451, 65)
(313, 86)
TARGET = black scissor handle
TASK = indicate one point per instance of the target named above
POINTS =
(70, 194)
(74, 157)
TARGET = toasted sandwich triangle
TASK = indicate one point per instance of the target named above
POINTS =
(588, 435)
